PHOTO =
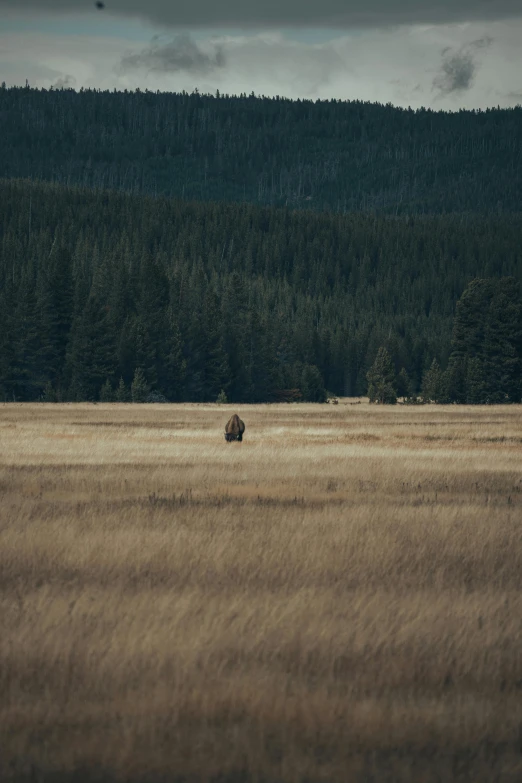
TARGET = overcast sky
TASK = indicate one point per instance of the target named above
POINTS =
(443, 53)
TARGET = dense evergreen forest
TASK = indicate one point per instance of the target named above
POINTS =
(100, 288)
(328, 155)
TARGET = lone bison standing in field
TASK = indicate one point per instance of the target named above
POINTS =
(234, 429)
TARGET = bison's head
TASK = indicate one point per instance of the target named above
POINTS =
(229, 437)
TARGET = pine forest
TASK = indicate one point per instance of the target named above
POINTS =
(190, 248)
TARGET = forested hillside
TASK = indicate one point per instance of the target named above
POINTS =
(333, 155)
(210, 296)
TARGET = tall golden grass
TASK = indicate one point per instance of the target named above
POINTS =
(338, 598)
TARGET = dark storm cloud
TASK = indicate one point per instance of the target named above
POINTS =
(180, 54)
(459, 67)
(295, 13)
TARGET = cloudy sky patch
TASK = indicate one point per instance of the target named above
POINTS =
(459, 67)
(181, 53)
(459, 54)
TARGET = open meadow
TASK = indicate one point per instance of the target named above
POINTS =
(336, 599)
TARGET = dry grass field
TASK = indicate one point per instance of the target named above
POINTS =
(336, 599)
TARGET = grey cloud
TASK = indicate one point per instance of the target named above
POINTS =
(64, 82)
(458, 71)
(459, 67)
(295, 13)
(180, 54)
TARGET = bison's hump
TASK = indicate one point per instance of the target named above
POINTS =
(234, 425)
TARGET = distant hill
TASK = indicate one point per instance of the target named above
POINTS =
(210, 296)
(325, 155)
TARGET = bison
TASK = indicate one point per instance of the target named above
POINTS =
(234, 429)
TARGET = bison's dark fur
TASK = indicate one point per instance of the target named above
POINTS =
(234, 429)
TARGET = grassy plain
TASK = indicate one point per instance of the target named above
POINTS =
(336, 599)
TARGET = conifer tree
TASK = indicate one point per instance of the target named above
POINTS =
(469, 322)
(173, 369)
(106, 392)
(432, 383)
(122, 393)
(91, 351)
(502, 351)
(404, 386)
(476, 382)
(455, 380)
(140, 387)
(486, 361)
(216, 369)
(61, 290)
(6, 338)
(49, 394)
(26, 379)
(146, 353)
(234, 305)
(381, 379)
(312, 384)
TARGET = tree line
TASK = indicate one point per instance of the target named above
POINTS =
(105, 295)
(332, 155)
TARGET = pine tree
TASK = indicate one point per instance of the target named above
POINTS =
(122, 393)
(106, 392)
(61, 288)
(485, 365)
(7, 307)
(404, 386)
(381, 379)
(146, 351)
(193, 360)
(46, 360)
(26, 381)
(261, 357)
(49, 394)
(432, 383)
(312, 384)
(455, 380)
(215, 369)
(476, 382)
(468, 327)
(173, 368)
(236, 343)
(140, 387)
(91, 354)
(502, 351)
